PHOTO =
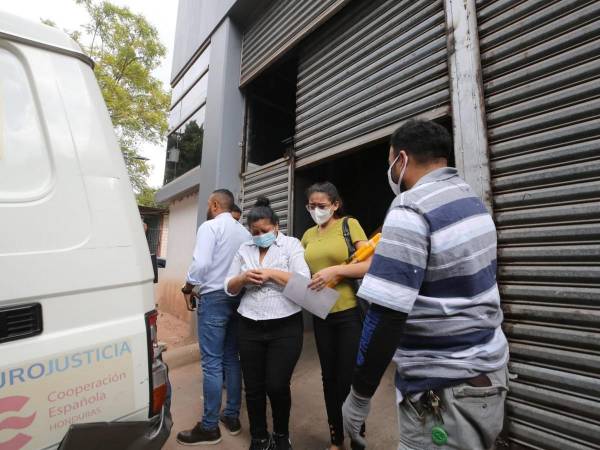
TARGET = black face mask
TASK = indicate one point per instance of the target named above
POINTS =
(209, 215)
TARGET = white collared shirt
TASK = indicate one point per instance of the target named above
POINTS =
(217, 241)
(268, 302)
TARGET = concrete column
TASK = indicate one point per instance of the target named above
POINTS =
(466, 86)
(221, 153)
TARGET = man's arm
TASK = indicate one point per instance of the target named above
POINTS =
(391, 285)
(382, 331)
(203, 255)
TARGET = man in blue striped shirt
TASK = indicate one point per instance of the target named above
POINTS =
(435, 306)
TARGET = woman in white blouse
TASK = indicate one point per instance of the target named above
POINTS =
(271, 329)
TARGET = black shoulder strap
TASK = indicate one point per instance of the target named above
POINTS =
(347, 237)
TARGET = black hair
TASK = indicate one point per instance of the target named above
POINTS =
(236, 209)
(425, 140)
(226, 200)
(329, 189)
(262, 210)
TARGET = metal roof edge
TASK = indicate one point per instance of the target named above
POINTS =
(53, 48)
(179, 187)
(17, 29)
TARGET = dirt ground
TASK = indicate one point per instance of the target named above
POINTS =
(309, 430)
(173, 331)
(308, 423)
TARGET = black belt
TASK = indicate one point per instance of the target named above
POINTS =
(481, 380)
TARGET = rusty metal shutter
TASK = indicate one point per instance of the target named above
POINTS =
(541, 72)
(272, 181)
(278, 29)
(374, 65)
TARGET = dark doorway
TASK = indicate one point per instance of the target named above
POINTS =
(271, 113)
(361, 179)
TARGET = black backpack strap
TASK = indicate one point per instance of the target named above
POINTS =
(363, 306)
(347, 236)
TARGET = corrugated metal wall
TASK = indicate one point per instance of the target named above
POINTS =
(541, 72)
(375, 64)
(278, 29)
(272, 181)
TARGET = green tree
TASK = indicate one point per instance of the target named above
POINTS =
(189, 145)
(146, 197)
(126, 49)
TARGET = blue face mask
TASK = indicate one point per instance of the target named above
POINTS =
(265, 240)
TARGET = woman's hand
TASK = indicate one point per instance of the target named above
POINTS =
(279, 277)
(323, 277)
(256, 277)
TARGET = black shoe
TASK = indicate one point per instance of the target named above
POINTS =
(282, 441)
(262, 444)
(199, 436)
(232, 424)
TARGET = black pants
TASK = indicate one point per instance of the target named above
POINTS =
(337, 337)
(269, 351)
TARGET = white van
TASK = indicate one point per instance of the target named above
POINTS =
(79, 361)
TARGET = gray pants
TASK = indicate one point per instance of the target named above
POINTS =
(473, 417)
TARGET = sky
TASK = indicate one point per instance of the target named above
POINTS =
(66, 14)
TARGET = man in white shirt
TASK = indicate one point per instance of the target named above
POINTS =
(217, 241)
(236, 212)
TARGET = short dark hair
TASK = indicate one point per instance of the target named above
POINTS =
(425, 140)
(329, 189)
(225, 198)
(236, 209)
(262, 210)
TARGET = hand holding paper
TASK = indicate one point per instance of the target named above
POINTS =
(317, 302)
(360, 255)
(322, 278)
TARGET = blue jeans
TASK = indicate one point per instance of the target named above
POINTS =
(218, 338)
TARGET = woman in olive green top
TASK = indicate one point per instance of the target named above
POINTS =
(338, 335)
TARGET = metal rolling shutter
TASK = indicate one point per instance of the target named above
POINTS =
(373, 65)
(272, 181)
(278, 29)
(541, 72)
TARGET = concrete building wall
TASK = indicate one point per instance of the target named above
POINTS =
(182, 236)
(196, 20)
(222, 154)
(164, 237)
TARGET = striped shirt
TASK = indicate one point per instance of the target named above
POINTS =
(267, 301)
(436, 261)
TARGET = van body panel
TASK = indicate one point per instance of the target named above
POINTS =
(71, 240)
(88, 222)
(36, 32)
(98, 377)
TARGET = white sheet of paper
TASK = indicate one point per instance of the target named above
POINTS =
(319, 303)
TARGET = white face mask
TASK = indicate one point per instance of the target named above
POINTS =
(321, 215)
(396, 189)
